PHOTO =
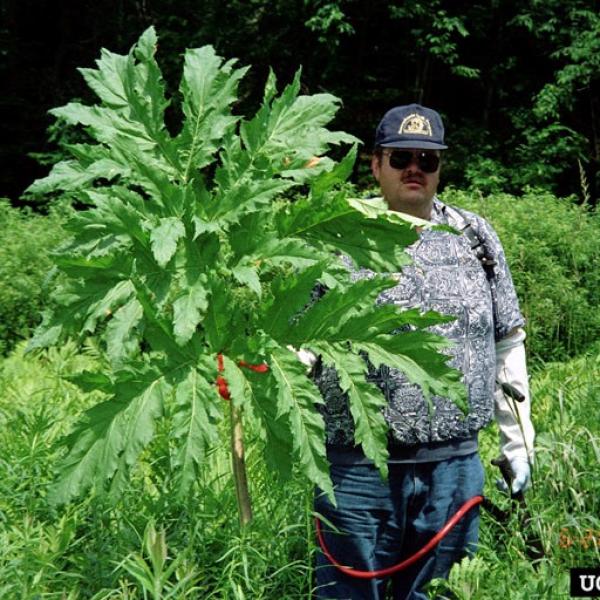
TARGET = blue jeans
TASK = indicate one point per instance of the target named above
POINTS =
(381, 523)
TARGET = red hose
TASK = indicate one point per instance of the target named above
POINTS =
(441, 534)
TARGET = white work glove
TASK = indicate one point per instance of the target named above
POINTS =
(514, 420)
(522, 474)
(306, 357)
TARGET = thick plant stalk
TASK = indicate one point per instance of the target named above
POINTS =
(239, 467)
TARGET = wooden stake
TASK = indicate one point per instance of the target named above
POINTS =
(239, 467)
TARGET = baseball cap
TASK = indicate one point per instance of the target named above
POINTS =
(411, 126)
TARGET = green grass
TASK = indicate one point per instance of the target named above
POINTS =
(564, 501)
(93, 550)
(151, 545)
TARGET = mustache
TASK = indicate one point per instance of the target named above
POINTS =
(413, 178)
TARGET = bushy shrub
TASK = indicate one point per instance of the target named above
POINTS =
(25, 242)
(552, 248)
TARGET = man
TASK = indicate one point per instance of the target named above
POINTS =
(434, 464)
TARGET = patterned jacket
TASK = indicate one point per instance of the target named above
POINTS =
(445, 276)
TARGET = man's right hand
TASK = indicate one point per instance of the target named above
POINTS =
(306, 357)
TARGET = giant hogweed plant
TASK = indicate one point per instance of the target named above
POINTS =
(196, 271)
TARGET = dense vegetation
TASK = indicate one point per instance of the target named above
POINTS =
(25, 242)
(49, 553)
(551, 244)
(517, 81)
(150, 545)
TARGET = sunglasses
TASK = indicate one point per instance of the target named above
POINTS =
(428, 162)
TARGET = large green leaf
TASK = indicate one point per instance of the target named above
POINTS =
(388, 318)
(365, 400)
(188, 309)
(417, 355)
(117, 219)
(297, 397)
(371, 240)
(275, 430)
(197, 413)
(209, 87)
(164, 239)
(73, 175)
(223, 319)
(338, 174)
(107, 79)
(290, 293)
(120, 341)
(112, 434)
(130, 121)
(82, 305)
(294, 252)
(336, 309)
(245, 196)
(145, 91)
(294, 124)
(248, 276)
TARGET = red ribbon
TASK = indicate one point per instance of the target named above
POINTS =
(222, 382)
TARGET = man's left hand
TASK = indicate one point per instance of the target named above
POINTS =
(521, 476)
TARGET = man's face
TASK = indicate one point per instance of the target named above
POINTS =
(410, 189)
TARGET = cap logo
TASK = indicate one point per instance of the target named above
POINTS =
(415, 125)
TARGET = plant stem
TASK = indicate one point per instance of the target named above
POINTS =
(239, 467)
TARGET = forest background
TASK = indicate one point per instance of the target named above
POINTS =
(518, 83)
(518, 86)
